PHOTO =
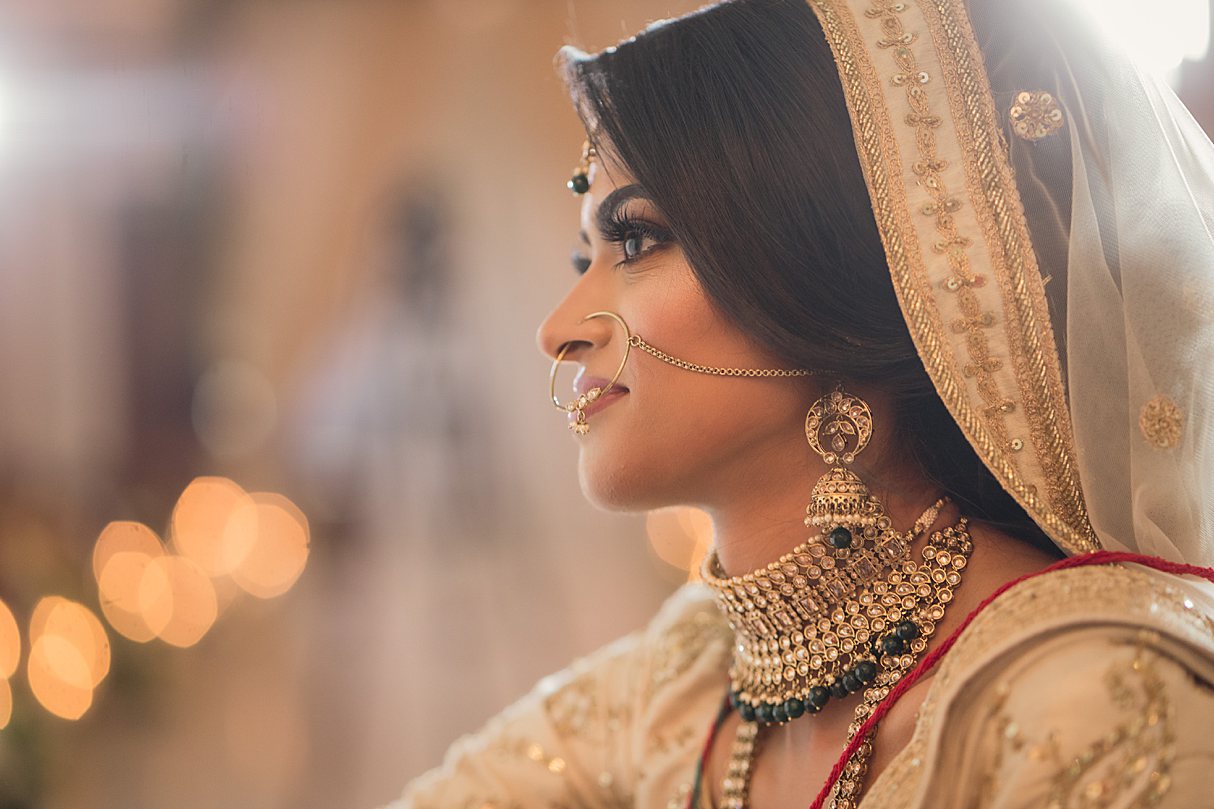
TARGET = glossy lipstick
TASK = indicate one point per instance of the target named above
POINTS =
(584, 382)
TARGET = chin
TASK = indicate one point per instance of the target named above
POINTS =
(619, 485)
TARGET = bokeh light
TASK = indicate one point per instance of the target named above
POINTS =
(680, 537)
(214, 524)
(10, 643)
(6, 703)
(177, 600)
(120, 561)
(51, 674)
(124, 537)
(69, 656)
(279, 553)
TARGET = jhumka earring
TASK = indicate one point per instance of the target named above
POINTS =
(577, 408)
(840, 503)
(579, 183)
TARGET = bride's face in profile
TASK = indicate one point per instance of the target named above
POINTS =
(664, 435)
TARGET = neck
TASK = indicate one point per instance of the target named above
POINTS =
(761, 524)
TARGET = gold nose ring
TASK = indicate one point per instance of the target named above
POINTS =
(578, 406)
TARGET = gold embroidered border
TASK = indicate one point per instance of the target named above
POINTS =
(929, 170)
(1026, 314)
(880, 160)
(1038, 374)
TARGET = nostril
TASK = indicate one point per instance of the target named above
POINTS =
(568, 350)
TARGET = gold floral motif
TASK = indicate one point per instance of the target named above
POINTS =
(929, 168)
(1035, 114)
(1130, 765)
(1161, 422)
(572, 707)
(680, 645)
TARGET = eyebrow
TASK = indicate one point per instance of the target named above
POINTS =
(613, 201)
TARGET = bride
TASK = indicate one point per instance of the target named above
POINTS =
(917, 302)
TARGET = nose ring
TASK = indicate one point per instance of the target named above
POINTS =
(577, 407)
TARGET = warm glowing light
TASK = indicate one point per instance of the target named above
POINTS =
(119, 588)
(10, 644)
(177, 600)
(69, 656)
(124, 537)
(215, 524)
(280, 552)
(120, 560)
(68, 624)
(1173, 30)
(680, 537)
(58, 695)
(6, 703)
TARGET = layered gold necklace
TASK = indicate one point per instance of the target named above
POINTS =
(835, 616)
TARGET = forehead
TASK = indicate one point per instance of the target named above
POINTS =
(606, 175)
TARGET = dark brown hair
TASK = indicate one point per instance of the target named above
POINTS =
(733, 120)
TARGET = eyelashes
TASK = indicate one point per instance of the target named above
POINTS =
(633, 238)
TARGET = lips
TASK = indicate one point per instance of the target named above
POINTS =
(585, 382)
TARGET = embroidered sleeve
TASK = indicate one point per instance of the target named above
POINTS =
(563, 745)
(584, 737)
(1104, 717)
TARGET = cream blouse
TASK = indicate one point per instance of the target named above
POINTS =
(1088, 687)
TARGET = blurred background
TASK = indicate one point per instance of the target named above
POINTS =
(283, 507)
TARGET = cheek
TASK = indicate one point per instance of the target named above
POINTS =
(681, 436)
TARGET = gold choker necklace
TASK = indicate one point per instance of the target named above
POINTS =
(823, 620)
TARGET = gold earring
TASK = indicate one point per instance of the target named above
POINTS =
(840, 504)
(577, 408)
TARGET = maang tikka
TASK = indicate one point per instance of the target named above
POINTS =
(579, 182)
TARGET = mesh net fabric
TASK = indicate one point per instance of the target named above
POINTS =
(1120, 204)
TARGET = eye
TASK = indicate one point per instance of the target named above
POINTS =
(633, 246)
(635, 237)
(580, 262)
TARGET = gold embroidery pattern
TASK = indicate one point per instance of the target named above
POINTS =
(1129, 766)
(1037, 372)
(880, 161)
(1161, 422)
(1131, 595)
(1035, 115)
(679, 799)
(683, 643)
(1030, 336)
(572, 707)
(928, 168)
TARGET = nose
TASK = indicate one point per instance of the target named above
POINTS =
(567, 324)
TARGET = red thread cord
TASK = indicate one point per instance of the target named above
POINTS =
(702, 764)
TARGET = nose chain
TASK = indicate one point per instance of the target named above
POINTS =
(636, 342)
(576, 409)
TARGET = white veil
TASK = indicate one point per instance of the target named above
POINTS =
(1127, 246)
(1006, 141)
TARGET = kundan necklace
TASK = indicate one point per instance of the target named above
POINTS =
(824, 621)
